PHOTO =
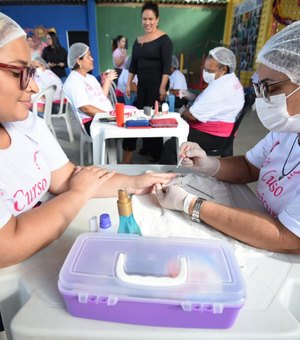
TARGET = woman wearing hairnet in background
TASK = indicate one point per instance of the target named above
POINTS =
(274, 162)
(32, 163)
(83, 89)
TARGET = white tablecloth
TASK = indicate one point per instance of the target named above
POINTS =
(31, 304)
(105, 136)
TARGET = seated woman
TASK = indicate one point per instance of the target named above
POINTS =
(273, 162)
(44, 78)
(82, 89)
(212, 116)
(177, 84)
(33, 163)
(122, 83)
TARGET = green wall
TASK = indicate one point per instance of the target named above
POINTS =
(189, 28)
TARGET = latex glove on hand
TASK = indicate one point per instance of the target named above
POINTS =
(196, 157)
(174, 197)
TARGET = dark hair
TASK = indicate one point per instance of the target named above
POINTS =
(77, 66)
(116, 40)
(220, 65)
(152, 6)
(55, 40)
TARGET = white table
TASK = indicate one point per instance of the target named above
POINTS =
(105, 136)
(32, 307)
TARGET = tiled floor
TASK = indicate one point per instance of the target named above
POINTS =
(249, 133)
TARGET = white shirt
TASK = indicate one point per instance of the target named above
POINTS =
(82, 91)
(280, 197)
(26, 166)
(48, 78)
(221, 101)
(122, 80)
(177, 81)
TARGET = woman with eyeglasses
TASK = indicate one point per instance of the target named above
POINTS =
(32, 163)
(274, 162)
(55, 55)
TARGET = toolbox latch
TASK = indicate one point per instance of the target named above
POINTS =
(83, 298)
(218, 308)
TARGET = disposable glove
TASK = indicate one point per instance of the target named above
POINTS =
(197, 158)
(174, 198)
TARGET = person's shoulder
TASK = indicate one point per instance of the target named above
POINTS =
(164, 37)
(31, 126)
(91, 77)
(61, 48)
(71, 79)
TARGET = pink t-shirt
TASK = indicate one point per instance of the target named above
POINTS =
(117, 53)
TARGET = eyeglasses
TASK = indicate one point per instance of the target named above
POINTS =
(25, 73)
(262, 89)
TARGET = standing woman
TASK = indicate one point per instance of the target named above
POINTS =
(151, 62)
(55, 55)
(119, 55)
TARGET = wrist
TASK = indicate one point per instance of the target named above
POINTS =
(188, 202)
(196, 209)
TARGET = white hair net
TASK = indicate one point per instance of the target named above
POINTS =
(174, 62)
(42, 61)
(282, 52)
(127, 64)
(9, 30)
(76, 51)
(224, 56)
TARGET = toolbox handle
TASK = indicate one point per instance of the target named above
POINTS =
(161, 281)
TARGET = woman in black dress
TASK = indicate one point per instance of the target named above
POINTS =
(151, 62)
(55, 55)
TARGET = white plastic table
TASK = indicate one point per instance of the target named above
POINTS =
(105, 136)
(32, 307)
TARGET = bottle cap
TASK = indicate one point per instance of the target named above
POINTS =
(93, 225)
(124, 203)
(105, 221)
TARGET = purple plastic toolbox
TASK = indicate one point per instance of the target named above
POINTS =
(166, 282)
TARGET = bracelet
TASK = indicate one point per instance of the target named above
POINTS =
(196, 210)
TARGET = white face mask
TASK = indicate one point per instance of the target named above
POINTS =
(274, 115)
(208, 77)
(39, 71)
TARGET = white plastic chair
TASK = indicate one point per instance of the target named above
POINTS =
(64, 112)
(47, 95)
(112, 94)
(84, 136)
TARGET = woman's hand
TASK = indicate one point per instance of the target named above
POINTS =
(162, 94)
(143, 184)
(128, 90)
(88, 180)
(195, 156)
(174, 198)
(111, 76)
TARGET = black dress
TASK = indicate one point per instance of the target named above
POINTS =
(50, 55)
(150, 60)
